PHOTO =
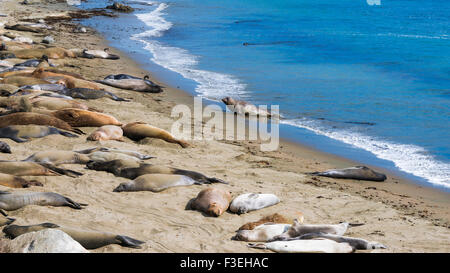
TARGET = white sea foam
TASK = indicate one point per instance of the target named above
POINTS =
(211, 85)
(408, 158)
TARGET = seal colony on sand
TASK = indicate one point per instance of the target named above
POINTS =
(14, 201)
(358, 173)
(88, 239)
(12, 181)
(141, 130)
(23, 133)
(212, 201)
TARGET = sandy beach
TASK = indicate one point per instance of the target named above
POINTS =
(400, 214)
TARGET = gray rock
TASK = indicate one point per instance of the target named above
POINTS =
(44, 241)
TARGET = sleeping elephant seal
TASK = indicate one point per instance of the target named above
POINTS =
(101, 54)
(305, 246)
(141, 130)
(99, 156)
(144, 168)
(132, 83)
(22, 80)
(89, 94)
(358, 173)
(12, 181)
(54, 103)
(23, 133)
(155, 182)
(212, 201)
(58, 157)
(84, 118)
(14, 201)
(4, 147)
(25, 118)
(107, 132)
(87, 238)
(273, 218)
(252, 201)
(115, 150)
(35, 53)
(21, 168)
(261, 233)
(356, 243)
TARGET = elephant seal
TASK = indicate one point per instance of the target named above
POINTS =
(84, 118)
(87, 238)
(261, 233)
(49, 72)
(22, 168)
(4, 147)
(12, 181)
(305, 246)
(21, 81)
(23, 133)
(40, 62)
(358, 173)
(244, 108)
(78, 83)
(89, 94)
(102, 54)
(131, 171)
(58, 157)
(356, 243)
(141, 130)
(53, 103)
(99, 156)
(51, 52)
(155, 182)
(115, 150)
(252, 201)
(107, 132)
(212, 201)
(273, 218)
(53, 87)
(14, 201)
(127, 82)
(25, 118)
(4, 220)
(297, 229)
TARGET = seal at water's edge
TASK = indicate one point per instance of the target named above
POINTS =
(12, 181)
(141, 130)
(252, 201)
(14, 201)
(23, 133)
(88, 239)
(358, 173)
(244, 108)
(155, 182)
(4, 147)
(212, 201)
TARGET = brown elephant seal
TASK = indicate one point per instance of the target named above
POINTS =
(22, 81)
(14, 201)
(87, 238)
(24, 27)
(51, 103)
(78, 83)
(43, 72)
(141, 130)
(212, 201)
(356, 243)
(107, 132)
(12, 181)
(22, 168)
(298, 229)
(273, 218)
(4, 219)
(23, 133)
(155, 182)
(358, 173)
(115, 150)
(244, 108)
(84, 118)
(36, 119)
(58, 157)
(131, 170)
(51, 52)
(4, 147)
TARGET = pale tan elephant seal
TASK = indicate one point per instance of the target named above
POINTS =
(87, 238)
(12, 181)
(107, 132)
(155, 182)
(141, 130)
(22, 168)
(84, 118)
(212, 201)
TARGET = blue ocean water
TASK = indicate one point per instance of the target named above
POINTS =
(370, 82)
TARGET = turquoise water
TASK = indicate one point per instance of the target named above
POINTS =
(369, 82)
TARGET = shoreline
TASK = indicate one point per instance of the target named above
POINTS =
(423, 208)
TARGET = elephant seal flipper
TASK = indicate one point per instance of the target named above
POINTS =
(128, 241)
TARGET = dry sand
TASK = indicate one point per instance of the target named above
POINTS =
(397, 213)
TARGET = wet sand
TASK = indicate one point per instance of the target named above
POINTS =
(398, 213)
